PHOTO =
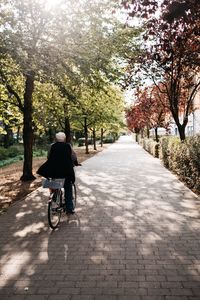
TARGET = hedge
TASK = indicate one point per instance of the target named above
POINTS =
(182, 158)
(150, 146)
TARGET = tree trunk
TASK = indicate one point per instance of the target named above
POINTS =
(51, 135)
(27, 129)
(67, 123)
(148, 133)
(181, 127)
(8, 137)
(101, 137)
(181, 130)
(67, 129)
(18, 133)
(94, 139)
(86, 136)
(156, 134)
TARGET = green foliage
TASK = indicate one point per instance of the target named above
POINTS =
(3, 154)
(81, 141)
(10, 152)
(40, 153)
(150, 146)
(164, 149)
(11, 160)
(71, 53)
(15, 153)
(10, 155)
(108, 139)
(183, 158)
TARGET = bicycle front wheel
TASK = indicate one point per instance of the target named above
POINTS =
(74, 195)
(54, 213)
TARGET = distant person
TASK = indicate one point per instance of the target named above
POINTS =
(60, 164)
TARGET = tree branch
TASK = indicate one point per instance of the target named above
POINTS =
(13, 92)
(191, 98)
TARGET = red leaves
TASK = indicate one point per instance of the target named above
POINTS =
(175, 10)
(172, 53)
(149, 110)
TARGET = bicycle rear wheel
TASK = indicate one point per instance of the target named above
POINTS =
(74, 195)
(54, 209)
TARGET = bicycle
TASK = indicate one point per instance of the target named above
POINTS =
(56, 204)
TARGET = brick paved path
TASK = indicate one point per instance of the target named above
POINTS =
(135, 236)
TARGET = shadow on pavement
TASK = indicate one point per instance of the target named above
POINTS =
(135, 235)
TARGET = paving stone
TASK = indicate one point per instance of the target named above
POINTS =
(135, 236)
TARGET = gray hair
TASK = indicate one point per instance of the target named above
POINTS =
(60, 137)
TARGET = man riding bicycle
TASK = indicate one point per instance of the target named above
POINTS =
(60, 164)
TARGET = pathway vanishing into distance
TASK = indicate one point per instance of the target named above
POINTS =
(135, 235)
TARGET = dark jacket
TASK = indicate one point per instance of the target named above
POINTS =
(59, 163)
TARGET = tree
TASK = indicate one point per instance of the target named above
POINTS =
(172, 55)
(48, 114)
(159, 110)
(40, 40)
(75, 48)
(97, 109)
(11, 111)
(27, 38)
(149, 111)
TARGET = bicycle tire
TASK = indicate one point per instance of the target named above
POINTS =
(74, 195)
(54, 209)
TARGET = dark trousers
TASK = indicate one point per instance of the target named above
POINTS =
(68, 194)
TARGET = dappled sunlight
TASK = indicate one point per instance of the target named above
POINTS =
(30, 268)
(33, 228)
(127, 231)
(13, 266)
(194, 225)
(9, 256)
(86, 191)
(22, 214)
(98, 259)
(148, 210)
(152, 237)
(43, 256)
(119, 219)
(130, 233)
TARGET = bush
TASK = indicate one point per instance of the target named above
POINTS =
(15, 153)
(183, 158)
(108, 140)
(3, 153)
(81, 142)
(39, 153)
(166, 146)
(10, 160)
(12, 151)
(150, 146)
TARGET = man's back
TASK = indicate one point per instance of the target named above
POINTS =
(59, 163)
